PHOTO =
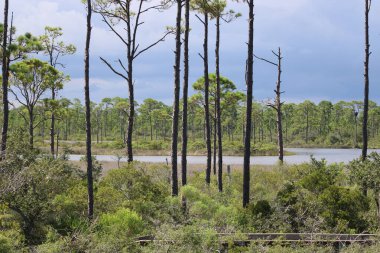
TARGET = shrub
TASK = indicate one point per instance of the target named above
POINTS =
(343, 205)
(123, 222)
(29, 192)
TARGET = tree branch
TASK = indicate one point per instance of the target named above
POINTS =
(113, 29)
(262, 59)
(152, 45)
(200, 19)
(114, 70)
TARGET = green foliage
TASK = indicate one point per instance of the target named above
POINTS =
(262, 208)
(28, 187)
(341, 205)
(123, 222)
(135, 200)
(318, 196)
(366, 173)
(141, 193)
(35, 72)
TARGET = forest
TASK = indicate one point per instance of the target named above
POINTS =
(50, 202)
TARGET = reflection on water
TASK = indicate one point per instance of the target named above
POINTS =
(301, 155)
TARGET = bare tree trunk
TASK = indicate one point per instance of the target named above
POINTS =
(207, 105)
(31, 128)
(52, 125)
(90, 211)
(131, 115)
(57, 143)
(177, 70)
(185, 93)
(5, 75)
(151, 128)
(249, 82)
(366, 80)
(280, 139)
(307, 126)
(218, 110)
(214, 142)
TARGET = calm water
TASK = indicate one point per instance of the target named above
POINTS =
(301, 155)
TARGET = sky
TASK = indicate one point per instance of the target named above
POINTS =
(322, 43)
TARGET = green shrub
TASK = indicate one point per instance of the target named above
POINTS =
(123, 222)
(262, 208)
(343, 206)
(29, 192)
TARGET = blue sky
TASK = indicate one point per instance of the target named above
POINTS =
(322, 43)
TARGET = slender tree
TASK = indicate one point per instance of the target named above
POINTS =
(119, 12)
(5, 78)
(30, 79)
(366, 79)
(185, 92)
(217, 11)
(248, 125)
(218, 123)
(203, 7)
(277, 105)
(54, 49)
(90, 190)
(177, 72)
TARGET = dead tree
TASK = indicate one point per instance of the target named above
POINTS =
(120, 12)
(203, 8)
(5, 81)
(277, 105)
(177, 82)
(248, 125)
(185, 92)
(90, 190)
(218, 13)
(366, 79)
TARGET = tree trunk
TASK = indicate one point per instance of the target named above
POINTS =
(52, 125)
(214, 144)
(207, 105)
(218, 110)
(185, 92)
(131, 115)
(31, 128)
(57, 146)
(307, 126)
(366, 81)
(177, 81)
(151, 128)
(90, 211)
(5, 78)
(279, 111)
(249, 82)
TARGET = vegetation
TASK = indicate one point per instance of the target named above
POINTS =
(47, 204)
(43, 203)
(304, 125)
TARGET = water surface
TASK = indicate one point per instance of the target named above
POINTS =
(301, 155)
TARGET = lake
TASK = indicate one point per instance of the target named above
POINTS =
(301, 155)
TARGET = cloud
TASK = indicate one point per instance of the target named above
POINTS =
(322, 43)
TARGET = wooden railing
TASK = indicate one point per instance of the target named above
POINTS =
(269, 238)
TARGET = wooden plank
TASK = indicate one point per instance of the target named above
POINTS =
(284, 238)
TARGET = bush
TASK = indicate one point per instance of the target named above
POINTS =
(197, 145)
(123, 222)
(316, 200)
(141, 193)
(342, 206)
(262, 209)
(29, 192)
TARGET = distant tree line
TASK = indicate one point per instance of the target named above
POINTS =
(304, 124)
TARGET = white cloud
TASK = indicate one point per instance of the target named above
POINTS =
(305, 29)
